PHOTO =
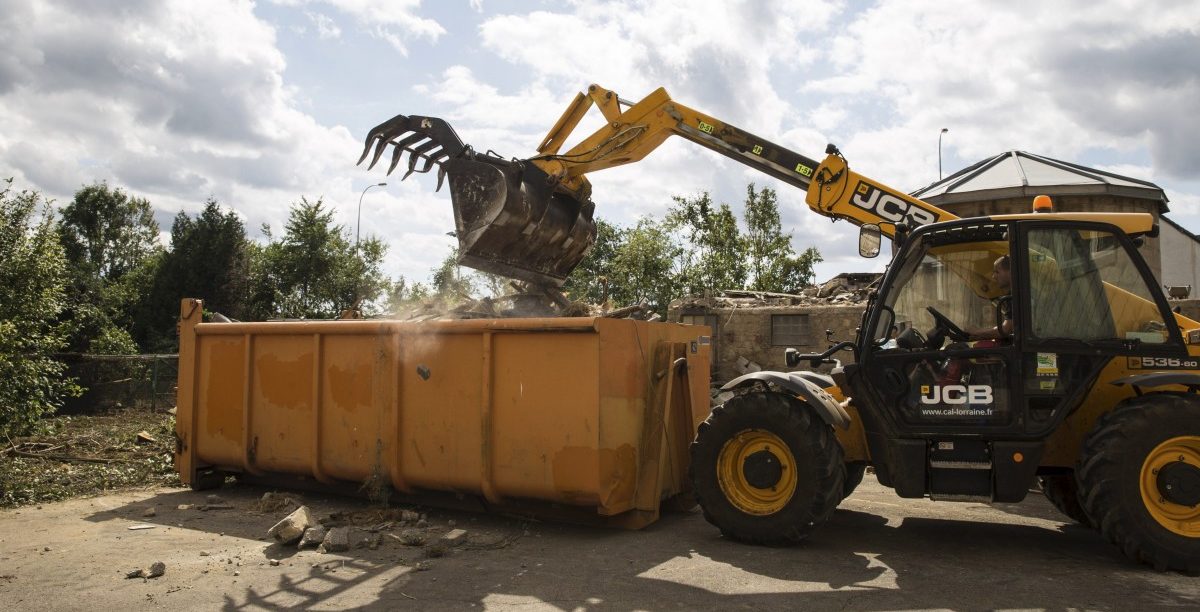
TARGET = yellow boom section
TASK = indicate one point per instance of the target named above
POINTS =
(629, 135)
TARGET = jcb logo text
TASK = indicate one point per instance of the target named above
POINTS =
(890, 207)
(956, 394)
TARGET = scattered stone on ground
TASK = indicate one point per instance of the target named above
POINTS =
(214, 499)
(454, 537)
(336, 540)
(274, 502)
(292, 527)
(313, 536)
(150, 512)
(137, 573)
(140, 527)
(158, 568)
(412, 537)
(435, 550)
(144, 437)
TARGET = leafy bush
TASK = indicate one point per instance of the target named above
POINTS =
(33, 278)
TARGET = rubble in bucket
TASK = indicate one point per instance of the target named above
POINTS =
(524, 301)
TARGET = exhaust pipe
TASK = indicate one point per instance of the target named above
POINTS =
(510, 217)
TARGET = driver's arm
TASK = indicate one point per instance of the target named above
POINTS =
(1005, 330)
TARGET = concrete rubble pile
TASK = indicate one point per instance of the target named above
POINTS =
(844, 289)
(525, 301)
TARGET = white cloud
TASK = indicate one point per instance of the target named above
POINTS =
(191, 100)
(327, 29)
(396, 21)
(1055, 79)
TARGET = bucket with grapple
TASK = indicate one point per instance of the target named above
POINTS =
(511, 218)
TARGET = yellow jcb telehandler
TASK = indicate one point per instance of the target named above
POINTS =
(1071, 369)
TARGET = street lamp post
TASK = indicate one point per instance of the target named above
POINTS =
(944, 130)
(358, 223)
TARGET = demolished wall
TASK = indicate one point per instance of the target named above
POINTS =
(752, 329)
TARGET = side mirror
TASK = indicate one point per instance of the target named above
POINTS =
(869, 240)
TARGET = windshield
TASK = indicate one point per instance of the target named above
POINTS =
(954, 277)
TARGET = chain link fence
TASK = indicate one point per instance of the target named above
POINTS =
(121, 381)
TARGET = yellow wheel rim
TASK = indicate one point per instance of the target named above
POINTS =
(757, 472)
(1180, 519)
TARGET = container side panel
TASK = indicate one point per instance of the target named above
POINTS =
(546, 418)
(440, 376)
(625, 355)
(281, 403)
(220, 399)
(356, 400)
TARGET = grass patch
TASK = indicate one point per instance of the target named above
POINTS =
(76, 456)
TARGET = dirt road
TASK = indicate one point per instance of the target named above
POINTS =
(878, 552)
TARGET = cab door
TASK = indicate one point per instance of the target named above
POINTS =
(926, 377)
(1090, 301)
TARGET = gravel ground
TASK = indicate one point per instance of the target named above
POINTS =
(878, 552)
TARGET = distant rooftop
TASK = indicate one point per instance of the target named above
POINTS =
(1017, 174)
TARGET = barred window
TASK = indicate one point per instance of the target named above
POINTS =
(789, 330)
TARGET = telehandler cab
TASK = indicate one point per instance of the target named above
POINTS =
(1095, 393)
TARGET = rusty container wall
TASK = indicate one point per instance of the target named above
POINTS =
(591, 413)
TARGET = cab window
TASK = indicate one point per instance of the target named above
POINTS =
(953, 277)
(1085, 286)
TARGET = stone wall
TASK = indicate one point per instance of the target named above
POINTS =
(746, 332)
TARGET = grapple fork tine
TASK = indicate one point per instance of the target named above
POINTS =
(402, 146)
(418, 153)
(441, 177)
(412, 163)
(383, 133)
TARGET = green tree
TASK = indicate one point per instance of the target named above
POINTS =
(106, 235)
(449, 281)
(644, 267)
(209, 258)
(33, 288)
(773, 264)
(590, 280)
(715, 258)
(314, 271)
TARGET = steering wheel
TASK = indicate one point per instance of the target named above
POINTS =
(944, 322)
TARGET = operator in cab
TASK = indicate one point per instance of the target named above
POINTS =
(1003, 330)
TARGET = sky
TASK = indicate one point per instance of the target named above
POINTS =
(257, 104)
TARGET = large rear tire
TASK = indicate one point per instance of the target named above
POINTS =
(766, 469)
(1139, 474)
(1063, 493)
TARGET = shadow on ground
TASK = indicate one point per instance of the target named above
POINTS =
(862, 559)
